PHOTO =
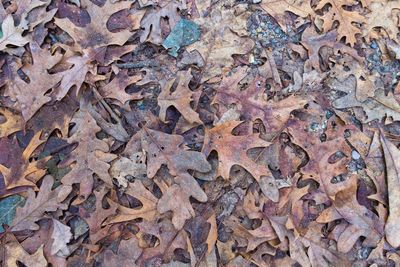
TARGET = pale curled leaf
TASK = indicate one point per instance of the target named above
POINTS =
(392, 160)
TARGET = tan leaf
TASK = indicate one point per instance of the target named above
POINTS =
(10, 122)
(116, 88)
(392, 160)
(147, 211)
(61, 235)
(277, 9)
(96, 34)
(46, 200)
(382, 16)
(40, 81)
(15, 253)
(89, 157)
(180, 98)
(252, 102)
(221, 40)
(346, 18)
(11, 35)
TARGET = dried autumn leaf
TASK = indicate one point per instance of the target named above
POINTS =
(152, 20)
(221, 40)
(252, 102)
(61, 235)
(376, 107)
(40, 81)
(381, 16)
(232, 150)
(116, 88)
(17, 169)
(12, 35)
(128, 252)
(346, 18)
(46, 200)
(10, 122)
(96, 218)
(89, 157)
(96, 33)
(313, 42)
(392, 159)
(181, 98)
(362, 222)
(15, 253)
(168, 149)
(147, 211)
(277, 9)
(75, 76)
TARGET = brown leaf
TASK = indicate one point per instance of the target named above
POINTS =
(11, 35)
(277, 9)
(40, 81)
(16, 168)
(96, 33)
(116, 88)
(223, 38)
(46, 200)
(362, 222)
(61, 235)
(14, 253)
(313, 42)
(346, 18)
(152, 21)
(10, 122)
(89, 157)
(252, 102)
(96, 218)
(148, 210)
(392, 160)
(181, 98)
(127, 254)
(232, 150)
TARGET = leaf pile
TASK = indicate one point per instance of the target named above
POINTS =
(199, 133)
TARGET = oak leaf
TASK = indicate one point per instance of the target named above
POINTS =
(61, 235)
(128, 252)
(89, 157)
(381, 16)
(46, 200)
(10, 122)
(151, 22)
(15, 253)
(32, 95)
(337, 12)
(115, 89)
(16, 168)
(232, 150)
(376, 107)
(96, 218)
(181, 98)
(392, 159)
(96, 33)
(12, 35)
(252, 102)
(166, 149)
(148, 210)
(362, 222)
(277, 9)
(313, 42)
(221, 40)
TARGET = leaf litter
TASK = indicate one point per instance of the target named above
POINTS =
(199, 133)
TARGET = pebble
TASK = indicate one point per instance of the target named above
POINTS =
(256, 1)
(355, 155)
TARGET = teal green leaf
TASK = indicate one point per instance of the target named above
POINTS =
(8, 207)
(184, 33)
